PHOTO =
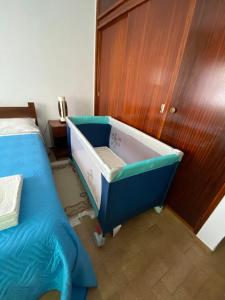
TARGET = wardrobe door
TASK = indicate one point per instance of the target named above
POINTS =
(155, 39)
(198, 125)
(110, 66)
(139, 58)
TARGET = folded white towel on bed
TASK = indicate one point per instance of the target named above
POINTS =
(10, 193)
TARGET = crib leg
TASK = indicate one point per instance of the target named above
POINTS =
(158, 209)
(116, 230)
(99, 237)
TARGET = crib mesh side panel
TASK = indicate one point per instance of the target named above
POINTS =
(87, 165)
(128, 148)
(97, 134)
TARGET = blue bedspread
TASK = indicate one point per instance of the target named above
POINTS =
(42, 252)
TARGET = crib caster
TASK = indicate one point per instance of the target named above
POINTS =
(116, 230)
(158, 209)
(99, 239)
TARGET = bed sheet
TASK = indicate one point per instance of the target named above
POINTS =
(42, 252)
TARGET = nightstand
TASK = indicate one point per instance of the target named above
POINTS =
(59, 138)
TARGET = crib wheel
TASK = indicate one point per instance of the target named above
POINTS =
(99, 239)
(116, 230)
(158, 209)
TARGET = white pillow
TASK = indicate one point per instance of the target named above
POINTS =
(14, 126)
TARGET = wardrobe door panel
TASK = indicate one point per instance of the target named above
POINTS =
(156, 34)
(112, 52)
(198, 126)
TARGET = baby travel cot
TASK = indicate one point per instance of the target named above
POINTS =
(125, 172)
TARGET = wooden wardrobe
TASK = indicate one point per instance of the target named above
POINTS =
(160, 67)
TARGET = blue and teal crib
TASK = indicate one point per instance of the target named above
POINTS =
(124, 171)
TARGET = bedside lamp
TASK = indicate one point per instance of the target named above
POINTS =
(62, 107)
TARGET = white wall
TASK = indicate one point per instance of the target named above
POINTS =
(213, 231)
(47, 50)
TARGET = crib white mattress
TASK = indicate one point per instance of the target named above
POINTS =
(111, 159)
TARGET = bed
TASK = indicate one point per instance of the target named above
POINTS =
(42, 252)
(125, 171)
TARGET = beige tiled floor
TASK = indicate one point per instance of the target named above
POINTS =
(153, 257)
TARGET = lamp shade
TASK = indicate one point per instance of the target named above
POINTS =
(62, 107)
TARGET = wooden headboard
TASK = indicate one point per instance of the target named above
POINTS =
(19, 112)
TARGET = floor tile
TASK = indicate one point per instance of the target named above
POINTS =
(212, 289)
(177, 274)
(161, 292)
(153, 257)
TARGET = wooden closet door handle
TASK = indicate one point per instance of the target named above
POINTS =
(173, 110)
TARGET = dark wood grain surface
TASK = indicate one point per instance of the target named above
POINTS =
(58, 135)
(140, 56)
(216, 200)
(198, 127)
(106, 5)
(119, 9)
(19, 112)
(58, 129)
(170, 52)
(111, 66)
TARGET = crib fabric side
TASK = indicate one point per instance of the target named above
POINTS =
(81, 146)
(145, 165)
(90, 164)
(97, 134)
(157, 146)
(86, 187)
(128, 197)
(128, 147)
